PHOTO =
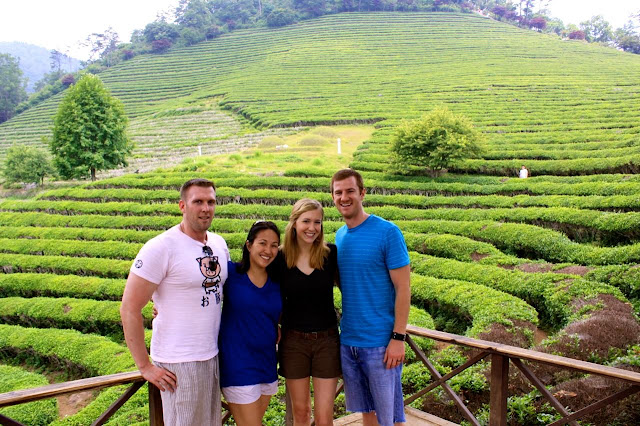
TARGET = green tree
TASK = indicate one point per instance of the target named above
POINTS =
(27, 164)
(627, 39)
(597, 29)
(12, 86)
(89, 131)
(436, 141)
(280, 18)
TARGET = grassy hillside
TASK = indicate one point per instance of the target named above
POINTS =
(549, 103)
(549, 262)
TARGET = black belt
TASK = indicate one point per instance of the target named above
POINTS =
(313, 335)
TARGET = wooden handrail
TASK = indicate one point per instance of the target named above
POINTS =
(49, 391)
(516, 352)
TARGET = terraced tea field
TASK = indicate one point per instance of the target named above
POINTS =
(549, 262)
(493, 258)
(560, 107)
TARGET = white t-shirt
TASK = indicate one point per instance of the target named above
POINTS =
(524, 173)
(188, 296)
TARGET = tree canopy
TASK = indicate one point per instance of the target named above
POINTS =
(436, 141)
(27, 164)
(89, 131)
(12, 86)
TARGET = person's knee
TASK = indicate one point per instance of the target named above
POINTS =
(302, 411)
(323, 418)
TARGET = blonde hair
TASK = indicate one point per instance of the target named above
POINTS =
(290, 247)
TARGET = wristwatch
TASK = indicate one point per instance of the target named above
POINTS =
(398, 336)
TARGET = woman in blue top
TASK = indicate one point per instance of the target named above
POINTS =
(249, 328)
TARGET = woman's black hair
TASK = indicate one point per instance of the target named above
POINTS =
(258, 226)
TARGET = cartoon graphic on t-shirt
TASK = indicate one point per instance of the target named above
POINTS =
(210, 269)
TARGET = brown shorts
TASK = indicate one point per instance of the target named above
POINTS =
(309, 354)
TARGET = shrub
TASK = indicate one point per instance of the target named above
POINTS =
(161, 45)
(128, 54)
(27, 164)
(68, 80)
(577, 35)
(538, 23)
(35, 413)
(436, 141)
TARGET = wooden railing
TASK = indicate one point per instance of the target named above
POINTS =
(501, 356)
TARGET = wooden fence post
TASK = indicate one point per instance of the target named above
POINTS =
(155, 407)
(499, 390)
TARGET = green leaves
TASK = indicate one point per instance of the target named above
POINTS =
(27, 164)
(89, 131)
(436, 141)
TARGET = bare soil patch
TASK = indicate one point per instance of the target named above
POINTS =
(70, 404)
(475, 256)
(574, 270)
(535, 267)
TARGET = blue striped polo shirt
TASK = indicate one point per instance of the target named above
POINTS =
(366, 253)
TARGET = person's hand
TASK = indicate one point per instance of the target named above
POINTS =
(160, 378)
(279, 334)
(394, 355)
(154, 311)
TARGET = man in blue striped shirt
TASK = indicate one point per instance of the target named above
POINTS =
(375, 282)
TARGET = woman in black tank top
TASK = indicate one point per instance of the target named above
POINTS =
(310, 344)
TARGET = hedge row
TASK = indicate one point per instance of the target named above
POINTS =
(71, 248)
(106, 268)
(86, 355)
(86, 234)
(402, 194)
(81, 266)
(528, 241)
(50, 285)
(481, 306)
(87, 316)
(37, 413)
(524, 240)
(550, 294)
(605, 225)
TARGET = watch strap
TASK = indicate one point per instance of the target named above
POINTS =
(398, 336)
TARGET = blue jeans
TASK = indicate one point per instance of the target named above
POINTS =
(370, 386)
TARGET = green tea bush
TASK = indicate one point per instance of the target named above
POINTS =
(38, 413)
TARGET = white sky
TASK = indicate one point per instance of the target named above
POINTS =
(617, 12)
(63, 24)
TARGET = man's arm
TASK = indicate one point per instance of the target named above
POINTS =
(401, 278)
(137, 294)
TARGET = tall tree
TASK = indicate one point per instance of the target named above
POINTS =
(89, 131)
(103, 46)
(13, 86)
(597, 29)
(627, 39)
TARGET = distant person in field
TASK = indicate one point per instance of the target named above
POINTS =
(524, 173)
(375, 280)
(249, 331)
(310, 346)
(184, 269)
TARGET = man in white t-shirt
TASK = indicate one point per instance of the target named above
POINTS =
(184, 269)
